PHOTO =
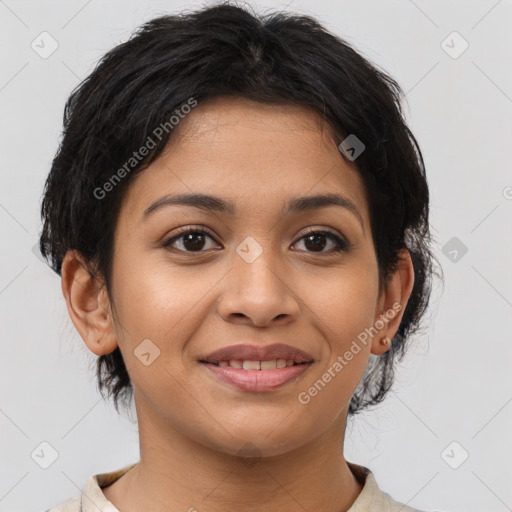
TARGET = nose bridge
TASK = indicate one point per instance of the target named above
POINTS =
(256, 287)
(256, 261)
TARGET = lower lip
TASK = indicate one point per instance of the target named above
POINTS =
(257, 380)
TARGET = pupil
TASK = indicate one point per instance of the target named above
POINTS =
(315, 237)
(191, 242)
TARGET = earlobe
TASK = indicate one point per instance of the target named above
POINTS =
(88, 304)
(393, 302)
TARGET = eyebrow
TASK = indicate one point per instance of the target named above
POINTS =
(216, 204)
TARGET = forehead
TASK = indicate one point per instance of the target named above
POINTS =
(246, 113)
(256, 155)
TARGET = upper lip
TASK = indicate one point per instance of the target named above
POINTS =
(250, 352)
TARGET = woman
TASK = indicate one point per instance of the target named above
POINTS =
(239, 215)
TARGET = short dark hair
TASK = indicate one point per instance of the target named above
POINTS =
(227, 50)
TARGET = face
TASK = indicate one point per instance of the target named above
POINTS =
(189, 281)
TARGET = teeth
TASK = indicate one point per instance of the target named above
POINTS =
(258, 365)
(251, 365)
(269, 365)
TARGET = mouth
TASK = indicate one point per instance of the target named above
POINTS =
(272, 364)
(254, 368)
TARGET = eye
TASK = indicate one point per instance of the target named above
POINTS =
(192, 240)
(315, 240)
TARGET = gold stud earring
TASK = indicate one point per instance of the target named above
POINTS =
(385, 341)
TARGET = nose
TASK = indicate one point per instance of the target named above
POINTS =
(258, 291)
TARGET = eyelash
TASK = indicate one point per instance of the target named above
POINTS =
(341, 244)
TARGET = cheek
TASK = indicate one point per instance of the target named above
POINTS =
(345, 308)
(159, 307)
(346, 302)
(153, 297)
(157, 311)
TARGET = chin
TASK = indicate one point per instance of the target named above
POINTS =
(267, 441)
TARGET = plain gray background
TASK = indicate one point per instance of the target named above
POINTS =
(453, 387)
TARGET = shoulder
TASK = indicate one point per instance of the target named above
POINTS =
(372, 498)
(91, 498)
(382, 501)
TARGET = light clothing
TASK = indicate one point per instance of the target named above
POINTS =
(92, 499)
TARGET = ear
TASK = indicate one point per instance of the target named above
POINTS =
(392, 303)
(88, 304)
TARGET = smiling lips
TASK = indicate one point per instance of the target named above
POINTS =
(257, 368)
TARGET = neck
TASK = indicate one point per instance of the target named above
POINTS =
(178, 473)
